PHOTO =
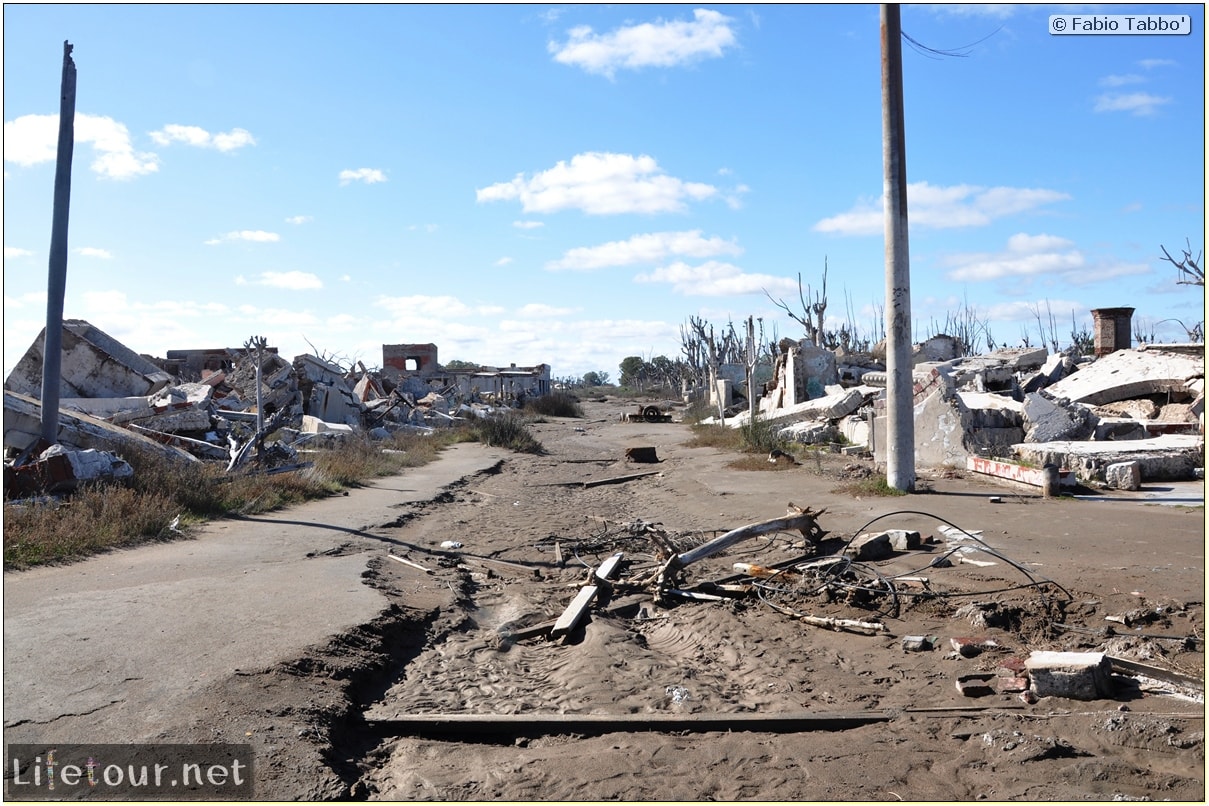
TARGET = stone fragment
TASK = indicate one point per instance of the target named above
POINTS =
(870, 547)
(1075, 675)
(1123, 475)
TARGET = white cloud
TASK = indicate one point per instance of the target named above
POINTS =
(1029, 257)
(942, 208)
(299, 219)
(91, 251)
(200, 138)
(279, 317)
(714, 278)
(35, 298)
(1026, 312)
(1136, 103)
(504, 261)
(16, 252)
(367, 175)
(537, 310)
(649, 248)
(257, 236)
(1026, 255)
(600, 183)
(1150, 64)
(290, 280)
(440, 307)
(33, 139)
(1121, 81)
(658, 44)
(528, 224)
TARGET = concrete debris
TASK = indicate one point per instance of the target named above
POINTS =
(1009, 404)
(1123, 475)
(94, 364)
(1075, 675)
(59, 470)
(202, 403)
(1129, 374)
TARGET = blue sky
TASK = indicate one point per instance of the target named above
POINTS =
(569, 184)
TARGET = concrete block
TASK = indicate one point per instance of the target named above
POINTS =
(903, 539)
(1123, 475)
(870, 547)
(313, 425)
(1075, 675)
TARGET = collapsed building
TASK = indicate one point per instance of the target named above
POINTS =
(1117, 418)
(219, 404)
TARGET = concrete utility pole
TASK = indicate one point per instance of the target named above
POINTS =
(900, 423)
(56, 287)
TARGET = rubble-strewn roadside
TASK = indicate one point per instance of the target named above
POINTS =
(929, 707)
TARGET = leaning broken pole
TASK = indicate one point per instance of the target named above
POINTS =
(52, 345)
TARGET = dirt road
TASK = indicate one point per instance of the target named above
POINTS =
(296, 633)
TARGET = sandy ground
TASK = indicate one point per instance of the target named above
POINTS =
(373, 641)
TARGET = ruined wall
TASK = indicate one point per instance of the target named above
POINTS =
(421, 358)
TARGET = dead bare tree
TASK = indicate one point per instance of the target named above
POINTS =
(816, 309)
(1048, 337)
(707, 346)
(1191, 272)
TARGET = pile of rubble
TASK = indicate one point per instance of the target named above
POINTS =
(1116, 419)
(239, 406)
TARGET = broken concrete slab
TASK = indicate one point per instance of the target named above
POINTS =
(1128, 374)
(94, 364)
(1016, 473)
(61, 470)
(23, 428)
(1169, 457)
(1047, 419)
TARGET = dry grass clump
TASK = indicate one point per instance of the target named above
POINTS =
(559, 404)
(165, 495)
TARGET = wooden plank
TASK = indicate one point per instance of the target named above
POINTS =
(620, 479)
(609, 566)
(544, 628)
(397, 558)
(521, 567)
(474, 727)
(1166, 675)
(574, 612)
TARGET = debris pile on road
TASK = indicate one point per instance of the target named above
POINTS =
(246, 407)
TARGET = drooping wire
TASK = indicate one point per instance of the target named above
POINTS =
(937, 53)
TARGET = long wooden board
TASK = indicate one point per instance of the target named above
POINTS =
(478, 727)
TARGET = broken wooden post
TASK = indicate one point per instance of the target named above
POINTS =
(56, 287)
(586, 596)
(574, 612)
(802, 522)
(799, 521)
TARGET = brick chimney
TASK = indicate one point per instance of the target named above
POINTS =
(1112, 326)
